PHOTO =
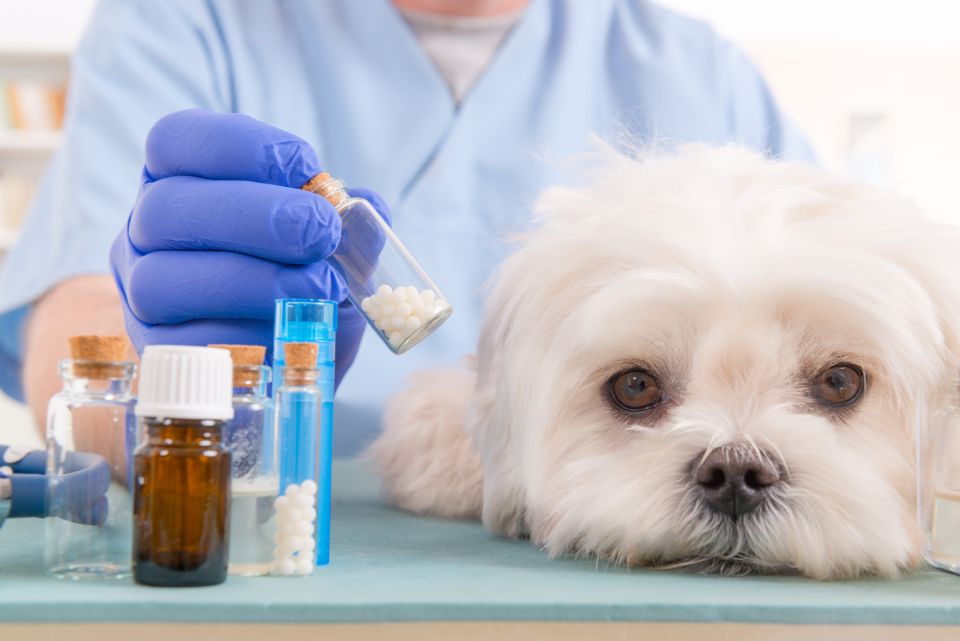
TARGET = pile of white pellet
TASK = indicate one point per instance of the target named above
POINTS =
(294, 541)
(399, 312)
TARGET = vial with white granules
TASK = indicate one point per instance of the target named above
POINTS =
(384, 281)
(302, 539)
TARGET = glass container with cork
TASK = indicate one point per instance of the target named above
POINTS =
(303, 510)
(88, 532)
(250, 438)
(384, 281)
(182, 470)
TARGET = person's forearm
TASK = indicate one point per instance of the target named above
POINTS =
(80, 305)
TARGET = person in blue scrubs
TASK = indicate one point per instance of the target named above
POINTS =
(456, 112)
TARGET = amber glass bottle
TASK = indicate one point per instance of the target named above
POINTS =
(182, 469)
(181, 506)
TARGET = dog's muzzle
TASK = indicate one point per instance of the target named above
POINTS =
(734, 480)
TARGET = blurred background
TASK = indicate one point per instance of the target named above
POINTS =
(874, 85)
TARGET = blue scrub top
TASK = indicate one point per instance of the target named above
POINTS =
(350, 77)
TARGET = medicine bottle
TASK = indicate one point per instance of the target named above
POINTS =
(303, 510)
(87, 535)
(384, 281)
(250, 437)
(182, 469)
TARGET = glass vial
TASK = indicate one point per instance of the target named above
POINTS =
(250, 438)
(182, 470)
(88, 533)
(938, 466)
(384, 281)
(302, 540)
(301, 320)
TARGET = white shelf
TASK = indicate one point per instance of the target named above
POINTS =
(26, 151)
(7, 239)
(44, 66)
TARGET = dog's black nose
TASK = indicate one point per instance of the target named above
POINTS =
(734, 479)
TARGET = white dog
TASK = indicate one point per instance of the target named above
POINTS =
(704, 360)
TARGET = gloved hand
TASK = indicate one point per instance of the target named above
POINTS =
(220, 230)
(79, 495)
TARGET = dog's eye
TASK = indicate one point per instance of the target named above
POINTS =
(839, 386)
(635, 390)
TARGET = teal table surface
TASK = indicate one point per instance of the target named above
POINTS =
(392, 566)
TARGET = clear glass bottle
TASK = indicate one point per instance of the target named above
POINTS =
(182, 470)
(303, 510)
(938, 472)
(251, 439)
(87, 536)
(396, 296)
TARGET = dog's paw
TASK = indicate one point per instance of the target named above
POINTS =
(427, 462)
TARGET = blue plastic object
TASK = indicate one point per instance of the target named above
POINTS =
(315, 321)
(82, 490)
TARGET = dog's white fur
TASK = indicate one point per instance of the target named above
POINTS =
(736, 278)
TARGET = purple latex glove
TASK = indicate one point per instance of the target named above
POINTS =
(220, 230)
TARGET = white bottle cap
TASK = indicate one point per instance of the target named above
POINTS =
(185, 382)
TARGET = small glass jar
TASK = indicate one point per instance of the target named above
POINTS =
(251, 439)
(302, 540)
(384, 281)
(182, 470)
(938, 466)
(87, 536)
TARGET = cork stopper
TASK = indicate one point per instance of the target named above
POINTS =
(97, 356)
(323, 184)
(247, 360)
(300, 363)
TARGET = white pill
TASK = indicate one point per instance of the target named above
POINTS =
(306, 544)
(428, 296)
(404, 309)
(305, 567)
(389, 310)
(415, 304)
(381, 323)
(287, 567)
(303, 501)
(365, 304)
(281, 502)
(383, 290)
(411, 292)
(401, 294)
(304, 528)
(308, 514)
(396, 322)
(309, 486)
(396, 338)
(413, 323)
(292, 490)
(284, 550)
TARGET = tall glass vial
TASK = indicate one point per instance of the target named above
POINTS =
(384, 281)
(303, 510)
(182, 470)
(251, 439)
(88, 536)
(938, 466)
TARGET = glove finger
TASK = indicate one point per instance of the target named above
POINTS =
(202, 332)
(374, 199)
(266, 221)
(172, 286)
(350, 327)
(223, 146)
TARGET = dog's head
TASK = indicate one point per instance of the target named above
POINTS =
(711, 360)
